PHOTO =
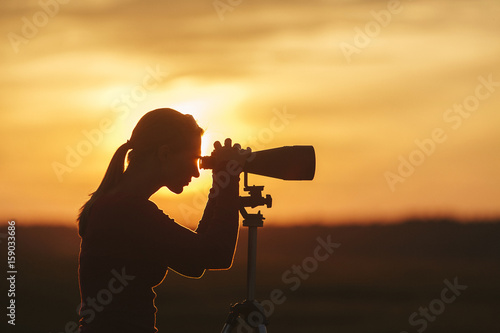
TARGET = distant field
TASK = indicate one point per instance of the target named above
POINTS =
(375, 279)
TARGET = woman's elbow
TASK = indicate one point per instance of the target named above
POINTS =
(227, 263)
(190, 272)
(222, 261)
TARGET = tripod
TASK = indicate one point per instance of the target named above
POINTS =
(252, 312)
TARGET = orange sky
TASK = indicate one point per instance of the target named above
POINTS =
(400, 100)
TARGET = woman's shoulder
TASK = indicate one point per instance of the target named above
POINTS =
(125, 203)
(120, 215)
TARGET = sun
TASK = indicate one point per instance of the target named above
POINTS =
(198, 109)
(211, 105)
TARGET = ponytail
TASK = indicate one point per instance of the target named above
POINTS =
(111, 178)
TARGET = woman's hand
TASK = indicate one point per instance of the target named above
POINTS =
(229, 153)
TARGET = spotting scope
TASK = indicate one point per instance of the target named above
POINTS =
(287, 163)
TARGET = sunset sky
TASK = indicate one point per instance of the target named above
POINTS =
(400, 99)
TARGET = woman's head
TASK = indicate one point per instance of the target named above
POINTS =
(164, 126)
(170, 140)
(165, 143)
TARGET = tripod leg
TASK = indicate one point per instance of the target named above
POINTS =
(227, 328)
(231, 319)
(245, 309)
(262, 329)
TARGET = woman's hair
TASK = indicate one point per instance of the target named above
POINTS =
(158, 127)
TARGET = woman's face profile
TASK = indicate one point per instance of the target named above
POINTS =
(180, 167)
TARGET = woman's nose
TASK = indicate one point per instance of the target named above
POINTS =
(196, 172)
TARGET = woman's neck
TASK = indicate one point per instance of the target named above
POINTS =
(138, 181)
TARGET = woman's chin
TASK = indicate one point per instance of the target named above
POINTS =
(176, 189)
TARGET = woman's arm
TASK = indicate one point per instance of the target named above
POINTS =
(216, 234)
(213, 244)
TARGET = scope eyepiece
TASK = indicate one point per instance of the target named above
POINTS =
(207, 162)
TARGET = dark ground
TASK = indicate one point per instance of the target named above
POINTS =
(374, 281)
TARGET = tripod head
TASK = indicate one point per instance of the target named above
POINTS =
(255, 199)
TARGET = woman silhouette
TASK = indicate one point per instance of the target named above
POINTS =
(127, 243)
